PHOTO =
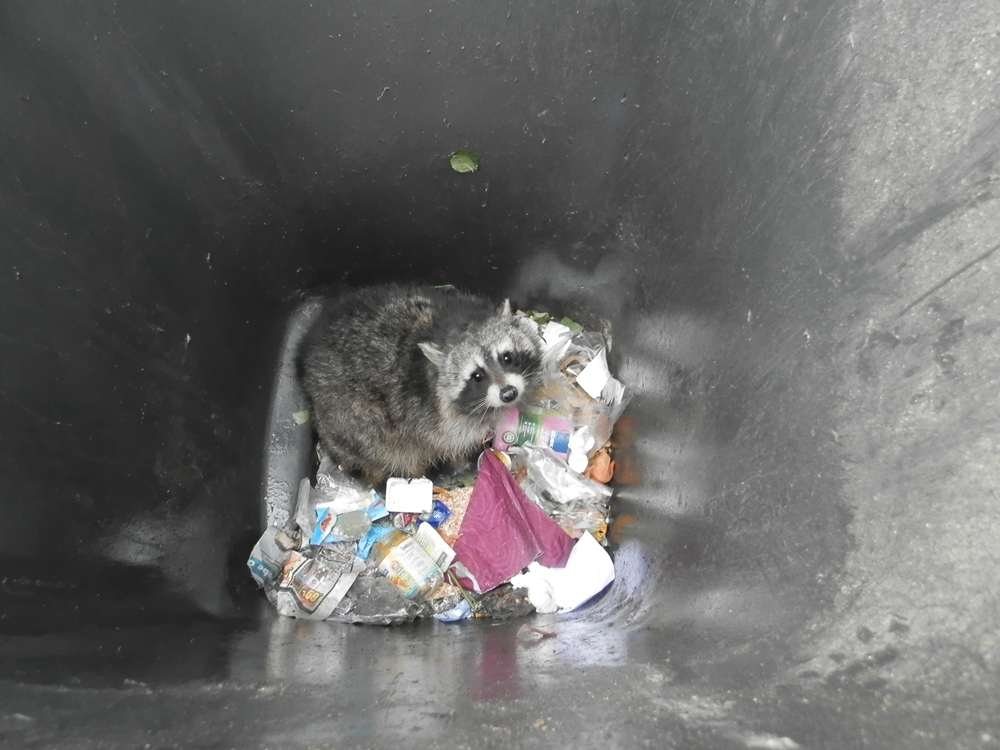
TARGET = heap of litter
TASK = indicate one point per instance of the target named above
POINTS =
(523, 530)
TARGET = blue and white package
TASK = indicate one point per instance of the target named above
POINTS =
(460, 611)
(439, 512)
(324, 532)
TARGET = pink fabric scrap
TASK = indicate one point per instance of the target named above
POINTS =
(503, 530)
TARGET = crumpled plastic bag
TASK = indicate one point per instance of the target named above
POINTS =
(503, 531)
(338, 508)
(576, 503)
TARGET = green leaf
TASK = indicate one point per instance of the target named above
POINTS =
(571, 324)
(463, 161)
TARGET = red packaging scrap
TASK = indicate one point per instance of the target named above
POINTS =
(503, 530)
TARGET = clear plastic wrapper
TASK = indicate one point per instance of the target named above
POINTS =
(576, 503)
(372, 600)
(337, 508)
(579, 384)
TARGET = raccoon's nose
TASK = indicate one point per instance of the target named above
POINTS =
(508, 393)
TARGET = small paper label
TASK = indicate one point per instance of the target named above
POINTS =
(438, 549)
(594, 376)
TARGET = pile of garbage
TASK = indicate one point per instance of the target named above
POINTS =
(523, 530)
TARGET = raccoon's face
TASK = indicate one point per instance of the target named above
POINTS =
(497, 378)
(492, 368)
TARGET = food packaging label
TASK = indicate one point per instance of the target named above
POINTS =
(311, 587)
(407, 566)
(439, 550)
(332, 527)
(543, 427)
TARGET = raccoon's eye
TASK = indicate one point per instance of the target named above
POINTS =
(478, 376)
(506, 358)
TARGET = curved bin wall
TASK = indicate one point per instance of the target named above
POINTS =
(786, 213)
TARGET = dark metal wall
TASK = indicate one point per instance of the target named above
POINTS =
(785, 212)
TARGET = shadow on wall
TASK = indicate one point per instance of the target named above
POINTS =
(724, 459)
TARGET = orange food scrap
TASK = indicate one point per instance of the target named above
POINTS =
(601, 467)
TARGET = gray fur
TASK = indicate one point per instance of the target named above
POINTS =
(392, 374)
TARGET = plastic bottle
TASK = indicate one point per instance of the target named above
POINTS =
(405, 563)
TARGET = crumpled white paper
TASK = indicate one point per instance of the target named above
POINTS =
(588, 571)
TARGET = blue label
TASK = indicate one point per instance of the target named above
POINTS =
(439, 512)
(559, 442)
(260, 570)
(374, 534)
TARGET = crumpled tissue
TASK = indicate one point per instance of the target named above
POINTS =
(587, 571)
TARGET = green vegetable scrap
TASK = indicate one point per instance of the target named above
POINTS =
(541, 318)
(301, 417)
(463, 161)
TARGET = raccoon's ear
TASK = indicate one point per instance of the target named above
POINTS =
(432, 352)
(505, 308)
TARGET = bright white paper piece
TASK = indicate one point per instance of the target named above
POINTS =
(588, 570)
(554, 334)
(597, 381)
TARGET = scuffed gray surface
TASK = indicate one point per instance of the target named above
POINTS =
(785, 211)
(288, 454)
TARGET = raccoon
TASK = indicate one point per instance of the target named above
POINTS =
(403, 379)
